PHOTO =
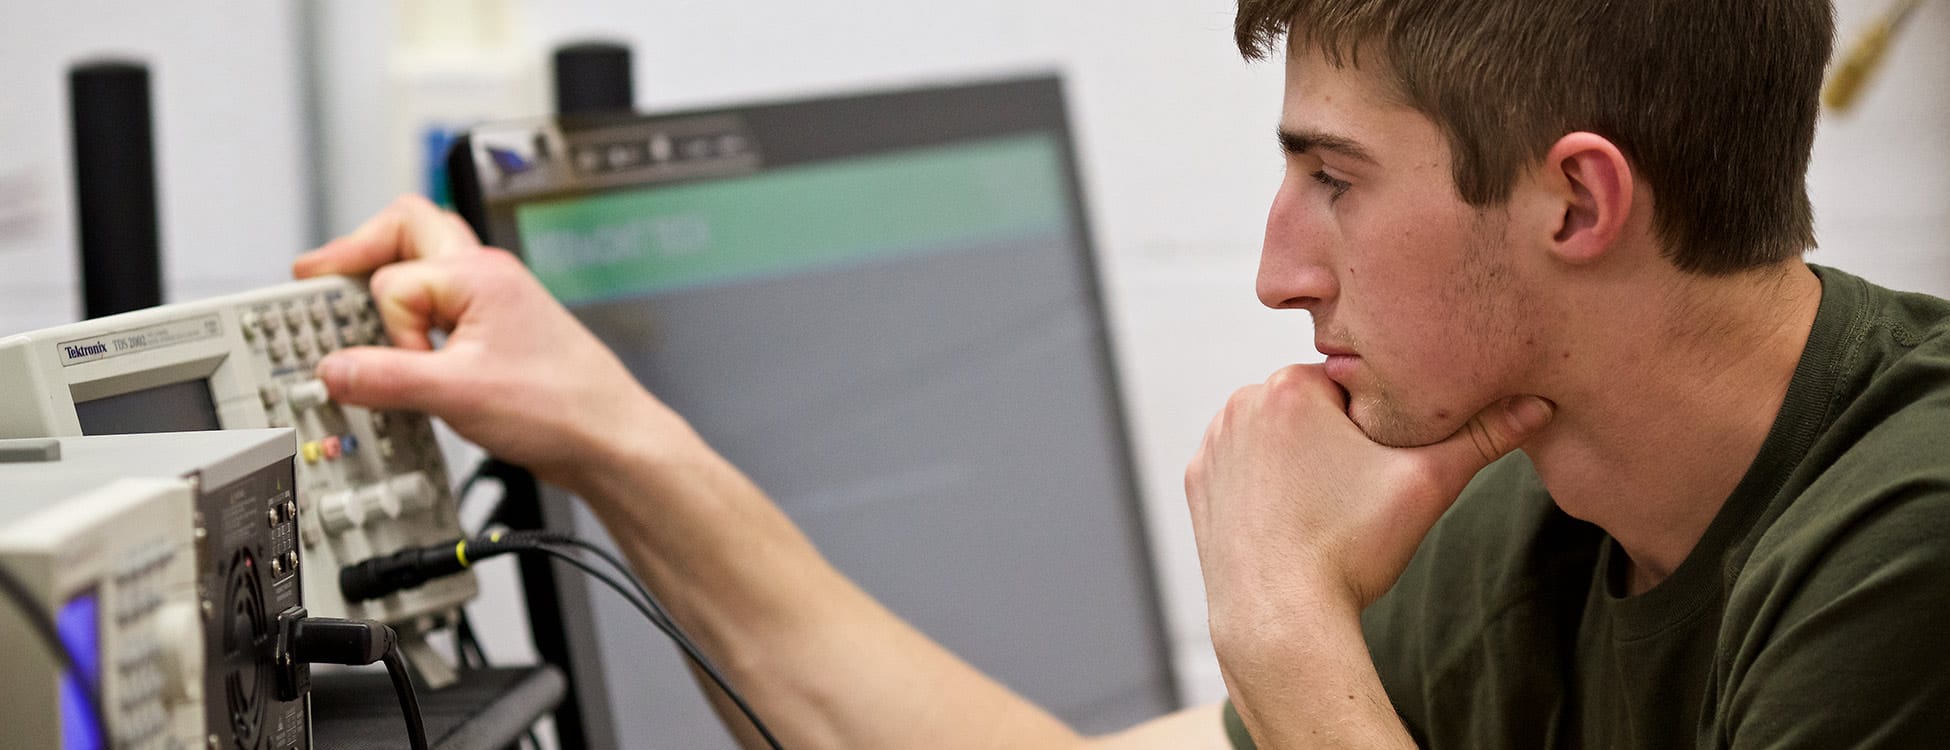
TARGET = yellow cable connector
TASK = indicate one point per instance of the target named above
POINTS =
(1846, 81)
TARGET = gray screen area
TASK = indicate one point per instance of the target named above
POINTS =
(909, 358)
(178, 407)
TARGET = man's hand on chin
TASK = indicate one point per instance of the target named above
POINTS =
(1301, 523)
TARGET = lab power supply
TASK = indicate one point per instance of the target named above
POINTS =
(162, 563)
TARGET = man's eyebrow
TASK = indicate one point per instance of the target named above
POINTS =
(1300, 141)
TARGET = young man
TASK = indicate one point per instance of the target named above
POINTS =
(1573, 226)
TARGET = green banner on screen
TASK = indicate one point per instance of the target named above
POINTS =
(795, 219)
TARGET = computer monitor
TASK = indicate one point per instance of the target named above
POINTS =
(885, 309)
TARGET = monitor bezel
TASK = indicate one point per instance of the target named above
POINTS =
(558, 600)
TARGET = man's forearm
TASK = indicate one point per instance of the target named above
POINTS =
(1310, 683)
(822, 662)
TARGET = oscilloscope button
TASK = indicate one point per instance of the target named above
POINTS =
(348, 304)
(176, 629)
(307, 394)
(341, 511)
(414, 490)
(379, 498)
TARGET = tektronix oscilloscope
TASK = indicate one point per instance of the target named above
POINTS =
(369, 482)
(163, 562)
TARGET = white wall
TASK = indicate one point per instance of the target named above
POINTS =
(1881, 173)
(1174, 130)
(230, 172)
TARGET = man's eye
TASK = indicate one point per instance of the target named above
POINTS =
(1335, 187)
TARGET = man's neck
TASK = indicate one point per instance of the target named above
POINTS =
(1657, 425)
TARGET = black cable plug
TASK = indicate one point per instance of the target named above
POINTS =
(414, 566)
(330, 640)
(303, 641)
(405, 569)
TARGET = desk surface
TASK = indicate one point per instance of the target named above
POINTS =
(486, 709)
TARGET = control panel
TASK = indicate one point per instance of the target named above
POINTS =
(149, 554)
(368, 482)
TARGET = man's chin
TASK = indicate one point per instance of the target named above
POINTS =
(1388, 426)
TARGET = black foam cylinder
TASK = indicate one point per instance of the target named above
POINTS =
(115, 187)
(593, 77)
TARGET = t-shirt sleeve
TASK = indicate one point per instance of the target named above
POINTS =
(1236, 728)
(1851, 646)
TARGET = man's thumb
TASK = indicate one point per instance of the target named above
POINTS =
(1495, 431)
(380, 377)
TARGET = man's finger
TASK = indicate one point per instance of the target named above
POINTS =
(410, 228)
(378, 377)
(1496, 430)
(413, 298)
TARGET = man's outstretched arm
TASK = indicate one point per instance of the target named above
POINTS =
(822, 663)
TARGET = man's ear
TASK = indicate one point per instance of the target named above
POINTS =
(1590, 181)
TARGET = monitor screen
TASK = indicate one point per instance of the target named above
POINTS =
(884, 309)
(178, 407)
(79, 625)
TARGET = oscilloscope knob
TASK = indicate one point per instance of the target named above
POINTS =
(177, 632)
(307, 394)
(341, 511)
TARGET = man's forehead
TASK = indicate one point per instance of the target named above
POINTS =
(1325, 101)
(1317, 81)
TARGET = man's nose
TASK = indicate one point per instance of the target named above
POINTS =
(1294, 260)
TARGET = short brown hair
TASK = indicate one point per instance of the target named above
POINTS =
(1712, 101)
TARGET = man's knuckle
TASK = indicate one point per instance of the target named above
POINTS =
(1484, 440)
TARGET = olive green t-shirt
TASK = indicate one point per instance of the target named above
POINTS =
(1813, 613)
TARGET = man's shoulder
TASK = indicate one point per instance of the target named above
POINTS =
(1890, 331)
(1867, 508)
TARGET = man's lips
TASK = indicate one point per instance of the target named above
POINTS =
(1341, 362)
